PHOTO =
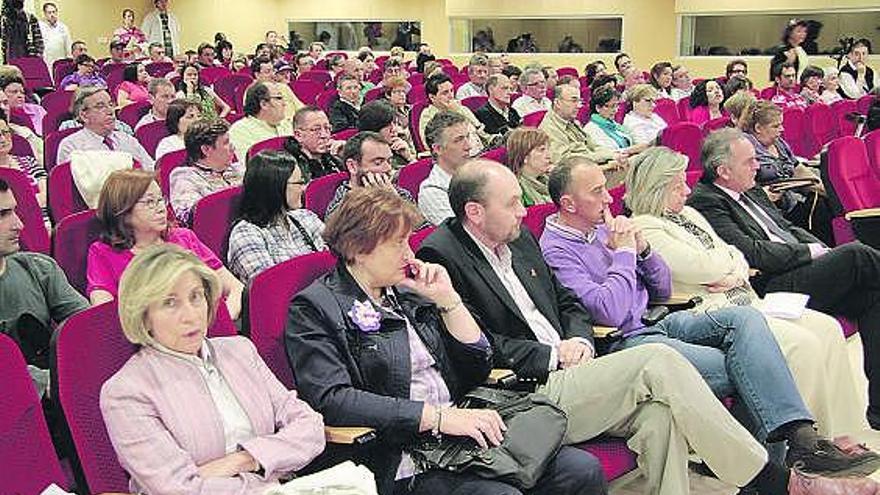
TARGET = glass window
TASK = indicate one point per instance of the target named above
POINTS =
(518, 35)
(761, 33)
(351, 35)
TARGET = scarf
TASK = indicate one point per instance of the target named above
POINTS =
(534, 189)
(614, 130)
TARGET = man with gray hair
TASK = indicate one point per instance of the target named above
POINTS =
(533, 86)
(844, 280)
(496, 115)
(478, 72)
(649, 394)
(93, 107)
(447, 137)
(161, 93)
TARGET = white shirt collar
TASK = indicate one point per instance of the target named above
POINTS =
(733, 194)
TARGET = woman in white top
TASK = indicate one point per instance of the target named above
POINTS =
(181, 113)
(682, 85)
(830, 83)
(642, 123)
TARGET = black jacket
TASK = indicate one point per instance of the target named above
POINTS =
(342, 115)
(733, 224)
(495, 122)
(514, 342)
(356, 378)
(313, 167)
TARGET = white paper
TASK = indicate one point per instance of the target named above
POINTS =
(784, 305)
(54, 489)
(347, 478)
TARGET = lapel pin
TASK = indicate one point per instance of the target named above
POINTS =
(533, 273)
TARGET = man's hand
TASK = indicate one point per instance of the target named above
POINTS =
(573, 352)
(621, 233)
(377, 180)
(336, 147)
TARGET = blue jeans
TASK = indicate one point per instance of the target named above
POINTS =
(735, 352)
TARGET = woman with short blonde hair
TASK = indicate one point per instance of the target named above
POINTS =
(642, 123)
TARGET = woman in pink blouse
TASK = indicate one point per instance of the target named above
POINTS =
(133, 88)
(707, 102)
(189, 414)
(130, 34)
(134, 217)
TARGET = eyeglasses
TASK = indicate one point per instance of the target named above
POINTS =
(296, 182)
(274, 97)
(537, 83)
(315, 130)
(152, 203)
(101, 107)
(739, 71)
(5, 132)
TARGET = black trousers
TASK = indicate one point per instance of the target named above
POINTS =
(816, 219)
(845, 281)
(572, 472)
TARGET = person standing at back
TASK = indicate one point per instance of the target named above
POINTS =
(161, 26)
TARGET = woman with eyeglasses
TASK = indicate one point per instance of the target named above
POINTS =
(133, 217)
(602, 127)
(272, 225)
(642, 123)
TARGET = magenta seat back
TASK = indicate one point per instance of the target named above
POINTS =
(416, 78)
(213, 216)
(823, 126)
(275, 143)
(225, 88)
(684, 110)
(614, 456)
(269, 296)
(536, 216)
(416, 238)
(767, 93)
(306, 90)
(686, 138)
(20, 146)
(496, 154)
(159, 69)
(165, 166)
(715, 124)
(70, 245)
(132, 113)
(61, 68)
(36, 74)
(414, 115)
(583, 115)
(841, 109)
(667, 110)
(534, 119)
(34, 236)
(110, 68)
(325, 98)
(64, 197)
(567, 71)
(374, 94)
(320, 191)
(864, 104)
(57, 101)
(344, 134)
(794, 131)
(854, 181)
(210, 75)
(321, 77)
(150, 134)
(26, 452)
(872, 145)
(417, 94)
(238, 97)
(617, 206)
(474, 102)
(50, 147)
(412, 175)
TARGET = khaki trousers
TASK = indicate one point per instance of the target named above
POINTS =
(655, 398)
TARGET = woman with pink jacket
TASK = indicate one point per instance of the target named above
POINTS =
(193, 415)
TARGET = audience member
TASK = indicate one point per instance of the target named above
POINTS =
(840, 280)
(21, 35)
(544, 333)
(478, 73)
(56, 35)
(424, 55)
(641, 122)
(78, 48)
(439, 89)
(432, 351)
(312, 144)
(181, 113)
(85, 75)
(704, 265)
(379, 116)
(161, 26)
(133, 88)
(264, 118)
(304, 63)
(791, 51)
(682, 86)
(623, 63)
(528, 156)
(736, 68)
(211, 167)
(206, 55)
(25, 163)
(160, 92)
(272, 226)
(830, 87)
(249, 431)
(93, 107)
(513, 73)
(608, 264)
(396, 91)
(785, 96)
(129, 34)
(739, 107)
(447, 138)
(497, 116)
(392, 68)
(603, 129)
(35, 293)
(190, 86)
(661, 80)
(117, 53)
(157, 54)
(593, 70)
(806, 207)
(533, 86)
(856, 78)
(19, 109)
(23, 131)
(737, 84)
(343, 111)
(706, 102)
(316, 50)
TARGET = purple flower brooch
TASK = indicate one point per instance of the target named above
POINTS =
(365, 316)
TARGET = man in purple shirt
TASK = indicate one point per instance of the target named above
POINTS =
(607, 263)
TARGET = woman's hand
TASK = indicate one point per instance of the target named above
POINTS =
(229, 465)
(432, 282)
(483, 425)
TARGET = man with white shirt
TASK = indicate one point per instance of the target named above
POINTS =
(56, 35)
(93, 107)
(447, 136)
(478, 72)
(496, 115)
(161, 94)
(161, 26)
(533, 86)
(841, 281)
(856, 78)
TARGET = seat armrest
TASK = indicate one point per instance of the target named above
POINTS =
(349, 435)
(864, 213)
(501, 377)
(601, 332)
(673, 300)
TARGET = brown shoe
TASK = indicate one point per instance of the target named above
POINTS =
(805, 484)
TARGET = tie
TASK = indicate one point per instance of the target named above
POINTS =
(166, 34)
(108, 143)
(768, 222)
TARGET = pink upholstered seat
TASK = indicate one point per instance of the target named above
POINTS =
(306, 90)
(496, 154)
(35, 71)
(225, 88)
(414, 115)
(275, 143)
(667, 110)
(412, 175)
(213, 216)
(73, 236)
(320, 191)
(474, 102)
(150, 134)
(822, 126)
(50, 149)
(132, 113)
(536, 216)
(64, 198)
(533, 119)
(686, 138)
(794, 131)
(165, 166)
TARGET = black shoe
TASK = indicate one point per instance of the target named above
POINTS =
(828, 460)
(874, 420)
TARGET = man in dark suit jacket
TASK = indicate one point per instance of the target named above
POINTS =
(540, 330)
(844, 280)
(497, 114)
(343, 111)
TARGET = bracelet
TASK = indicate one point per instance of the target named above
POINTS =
(452, 307)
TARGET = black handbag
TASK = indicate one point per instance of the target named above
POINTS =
(535, 430)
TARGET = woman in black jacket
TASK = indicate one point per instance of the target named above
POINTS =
(384, 341)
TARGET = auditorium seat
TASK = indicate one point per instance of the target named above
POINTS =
(209, 75)
(325, 98)
(319, 192)
(498, 154)
(159, 69)
(822, 126)
(50, 147)
(165, 166)
(857, 189)
(412, 175)
(533, 119)
(34, 236)
(667, 110)
(794, 131)
(36, 73)
(132, 113)
(213, 216)
(872, 145)
(63, 197)
(374, 94)
(474, 102)
(321, 77)
(842, 109)
(344, 134)
(306, 90)
(70, 246)
(686, 138)
(150, 134)
(275, 143)
(414, 115)
(536, 216)
(225, 88)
